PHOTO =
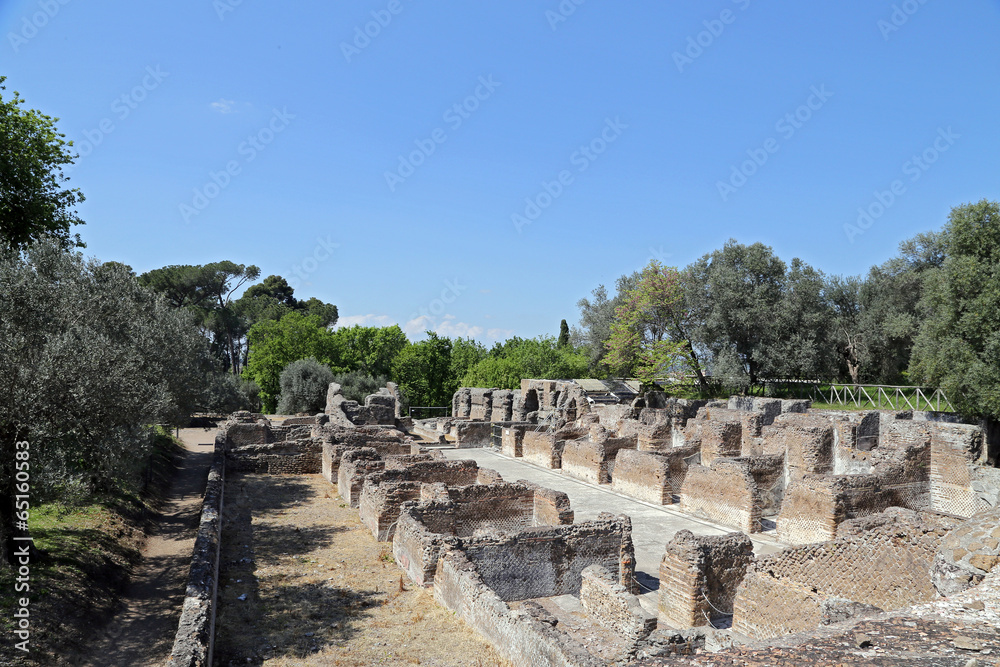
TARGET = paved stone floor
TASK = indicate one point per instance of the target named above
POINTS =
(652, 525)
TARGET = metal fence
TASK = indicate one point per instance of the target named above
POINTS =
(885, 396)
(428, 411)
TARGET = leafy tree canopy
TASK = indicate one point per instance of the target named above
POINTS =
(423, 371)
(276, 343)
(304, 384)
(370, 349)
(647, 335)
(34, 202)
(958, 345)
(89, 359)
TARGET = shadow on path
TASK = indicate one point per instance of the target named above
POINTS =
(142, 632)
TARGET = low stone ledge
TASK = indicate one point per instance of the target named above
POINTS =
(611, 605)
(194, 642)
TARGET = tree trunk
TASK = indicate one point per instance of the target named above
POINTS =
(702, 382)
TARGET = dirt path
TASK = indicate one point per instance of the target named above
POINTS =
(142, 633)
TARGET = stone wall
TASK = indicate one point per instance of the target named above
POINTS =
(194, 641)
(542, 448)
(593, 460)
(699, 577)
(725, 493)
(884, 561)
(613, 606)
(653, 477)
(284, 458)
(528, 636)
(955, 451)
(546, 561)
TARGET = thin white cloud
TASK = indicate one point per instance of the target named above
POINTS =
(449, 326)
(499, 334)
(223, 105)
(418, 325)
(453, 329)
(370, 320)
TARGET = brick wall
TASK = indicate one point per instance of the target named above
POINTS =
(653, 477)
(469, 511)
(547, 561)
(283, 458)
(815, 505)
(354, 466)
(493, 508)
(883, 560)
(380, 502)
(954, 450)
(472, 434)
(550, 507)
(725, 493)
(417, 545)
(593, 461)
(806, 441)
(526, 637)
(542, 448)
(511, 439)
(611, 605)
(699, 577)
(720, 439)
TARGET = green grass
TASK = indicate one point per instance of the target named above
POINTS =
(85, 551)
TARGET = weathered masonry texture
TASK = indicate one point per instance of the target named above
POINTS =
(883, 561)
(699, 577)
(886, 521)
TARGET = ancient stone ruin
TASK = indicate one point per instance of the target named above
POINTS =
(882, 524)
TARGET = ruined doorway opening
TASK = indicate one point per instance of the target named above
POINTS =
(531, 401)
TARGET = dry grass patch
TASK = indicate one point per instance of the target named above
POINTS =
(303, 582)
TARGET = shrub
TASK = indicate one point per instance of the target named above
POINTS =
(358, 384)
(303, 387)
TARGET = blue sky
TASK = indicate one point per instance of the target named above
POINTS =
(476, 168)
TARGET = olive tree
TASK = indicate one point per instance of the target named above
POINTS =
(303, 386)
(89, 361)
